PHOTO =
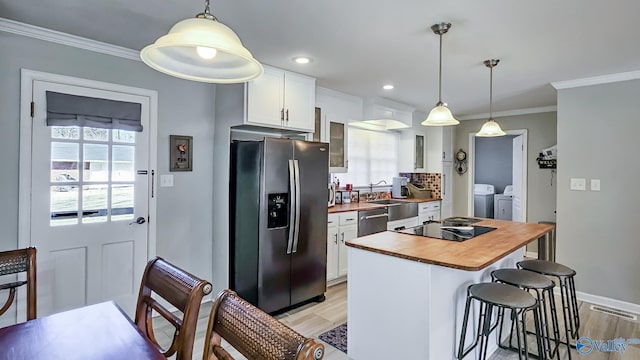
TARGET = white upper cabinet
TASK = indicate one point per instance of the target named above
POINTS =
(384, 114)
(439, 147)
(281, 99)
(412, 151)
(336, 111)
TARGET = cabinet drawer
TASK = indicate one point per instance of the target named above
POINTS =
(427, 206)
(348, 218)
(333, 220)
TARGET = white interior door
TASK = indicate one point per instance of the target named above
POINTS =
(88, 187)
(518, 151)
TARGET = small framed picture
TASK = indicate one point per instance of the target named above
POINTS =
(180, 153)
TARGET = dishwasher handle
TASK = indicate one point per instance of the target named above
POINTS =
(373, 216)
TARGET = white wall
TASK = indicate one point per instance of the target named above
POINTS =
(598, 128)
(184, 229)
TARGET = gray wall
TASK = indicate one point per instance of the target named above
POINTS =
(541, 192)
(598, 235)
(494, 161)
(184, 229)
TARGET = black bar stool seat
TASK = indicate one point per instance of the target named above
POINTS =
(546, 268)
(501, 297)
(522, 278)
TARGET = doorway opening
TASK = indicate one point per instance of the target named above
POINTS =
(511, 200)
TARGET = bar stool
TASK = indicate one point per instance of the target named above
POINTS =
(565, 276)
(501, 296)
(542, 286)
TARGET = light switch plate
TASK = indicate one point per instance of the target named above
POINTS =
(595, 184)
(579, 184)
(166, 180)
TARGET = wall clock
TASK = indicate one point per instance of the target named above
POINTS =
(461, 162)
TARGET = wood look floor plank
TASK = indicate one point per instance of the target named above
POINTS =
(313, 319)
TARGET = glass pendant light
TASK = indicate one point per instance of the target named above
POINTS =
(491, 128)
(440, 115)
(202, 49)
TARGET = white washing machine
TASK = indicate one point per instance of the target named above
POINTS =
(502, 204)
(483, 200)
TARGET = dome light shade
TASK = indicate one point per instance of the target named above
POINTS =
(490, 129)
(186, 52)
(440, 115)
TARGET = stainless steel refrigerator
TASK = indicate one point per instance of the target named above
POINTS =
(278, 222)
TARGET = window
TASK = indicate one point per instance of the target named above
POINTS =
(373, 156)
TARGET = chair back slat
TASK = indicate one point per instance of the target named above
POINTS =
(15, 262)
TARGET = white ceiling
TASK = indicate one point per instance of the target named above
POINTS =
(359, 45)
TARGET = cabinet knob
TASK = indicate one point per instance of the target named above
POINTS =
(282, 114)
(336, 238)
(287, 115)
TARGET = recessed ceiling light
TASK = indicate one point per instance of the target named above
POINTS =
(388, 87)
(302, 60)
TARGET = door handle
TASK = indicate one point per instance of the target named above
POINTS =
(336, 238)
(342, 238)
(140, 220)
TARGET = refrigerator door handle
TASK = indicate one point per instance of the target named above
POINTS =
(292, 206)
(296, 232)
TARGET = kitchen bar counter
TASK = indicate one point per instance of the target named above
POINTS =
(363, 205)
(411, 290)
(474, 254)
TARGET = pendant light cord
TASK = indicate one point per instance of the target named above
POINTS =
(491, 93)
(440, 74)
(206, 7)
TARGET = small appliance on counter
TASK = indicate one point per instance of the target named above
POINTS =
(399, 188)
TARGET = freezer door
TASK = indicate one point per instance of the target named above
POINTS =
(274, 264)
(309, 260)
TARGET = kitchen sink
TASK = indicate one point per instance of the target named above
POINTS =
(398, 209)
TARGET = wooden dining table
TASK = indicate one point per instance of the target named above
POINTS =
(100, 331)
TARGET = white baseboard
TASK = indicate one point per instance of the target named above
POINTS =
(604, 301)
(336, 281)
(531, 254)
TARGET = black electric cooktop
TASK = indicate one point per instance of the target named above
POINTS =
(453, 229)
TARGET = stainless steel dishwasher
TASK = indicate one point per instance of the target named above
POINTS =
(372, 221)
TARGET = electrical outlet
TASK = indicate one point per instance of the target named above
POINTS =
(595, 184)
(579, 184)
(166, 180)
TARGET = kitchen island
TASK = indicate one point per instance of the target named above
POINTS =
(406, 293)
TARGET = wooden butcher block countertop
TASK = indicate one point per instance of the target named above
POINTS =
(472, 255)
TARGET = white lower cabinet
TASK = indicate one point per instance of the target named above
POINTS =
(341, 227)
(428, 211)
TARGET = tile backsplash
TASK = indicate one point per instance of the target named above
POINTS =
(431, 181)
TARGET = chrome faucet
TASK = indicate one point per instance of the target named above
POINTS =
(370, 196)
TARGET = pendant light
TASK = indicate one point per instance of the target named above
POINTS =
(440, 115)
(202, 49)
(491, 128)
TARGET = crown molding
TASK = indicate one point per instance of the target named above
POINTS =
(596, 80)
(58, 37)
(535, 110)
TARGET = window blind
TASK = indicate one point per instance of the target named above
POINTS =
(75, 110)
(373, 156)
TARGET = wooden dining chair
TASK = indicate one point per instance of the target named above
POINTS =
(178, 288)
(14, 262)
(254, 333)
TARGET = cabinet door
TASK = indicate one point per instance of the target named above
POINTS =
(446, 207)
(346, 233)
(337, 147)
(265, 99)
(332, 253)
(447, 143)
(299, 102)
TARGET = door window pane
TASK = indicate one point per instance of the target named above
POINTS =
(64, 206)
(64, 161)
(122, 161)
(96, 162)
(94, 203)
(122, 202)
(95, 134)
(65, 132)
(124, 136)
